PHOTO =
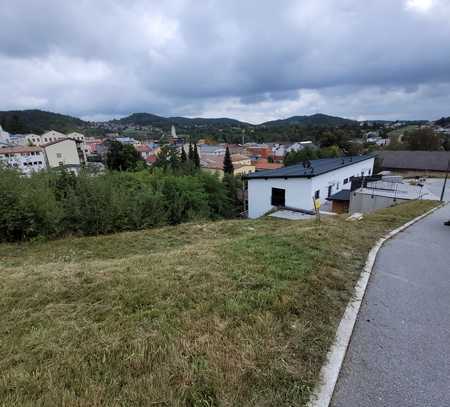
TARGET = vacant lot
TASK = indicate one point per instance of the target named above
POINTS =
(231, 313)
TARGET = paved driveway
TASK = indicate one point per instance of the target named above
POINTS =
(399, 354)
(434, 185)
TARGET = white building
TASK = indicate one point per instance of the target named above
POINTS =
(4, 136)
(25, 159)
(301, 145)
(48, 137)
(297, 186)
(63, 153)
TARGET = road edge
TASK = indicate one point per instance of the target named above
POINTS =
(329, 373)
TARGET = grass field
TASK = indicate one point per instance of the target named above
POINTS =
(231, 313)
(402, 130)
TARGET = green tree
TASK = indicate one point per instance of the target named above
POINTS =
(296, 157)
(190, 152)
(424, 139)
(330, 152)
(196, 157)
(122, 157)
(183, 156)
(228, 167)
(233, 187)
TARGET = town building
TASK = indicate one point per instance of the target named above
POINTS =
(91, 145)
(303, 185)
(242, 164)
(64, 153)
(301, 145)
(127, 141)
(415, 162)
(263, 164)
(4, 136)
(48, 137)
(27, 159)
(144, 151)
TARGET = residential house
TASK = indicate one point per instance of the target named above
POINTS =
(301, 145)
(263, 164)
(279, 152)
(257, 151)
(144, 151)
(300, 186)
(27, 159)
(214, 164)
(127, 140)
(64, 153)
(91, 145)
(48, 137)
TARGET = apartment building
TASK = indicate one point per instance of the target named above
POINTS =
(27, 159)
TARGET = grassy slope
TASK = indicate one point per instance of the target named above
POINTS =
(225, 313)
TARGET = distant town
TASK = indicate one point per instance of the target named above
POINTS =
(320, 135)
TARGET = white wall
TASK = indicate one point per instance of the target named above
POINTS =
(336, 178)
(27, 163)
(300, 191)
(65, 152)
(260, 194)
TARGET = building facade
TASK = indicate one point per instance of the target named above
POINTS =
(62, 153)
(299, 186)
(23, 158)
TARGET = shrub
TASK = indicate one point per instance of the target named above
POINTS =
(59, 203)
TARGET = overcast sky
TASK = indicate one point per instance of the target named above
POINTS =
(253, 60)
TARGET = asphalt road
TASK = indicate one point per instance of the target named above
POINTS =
(399, 354)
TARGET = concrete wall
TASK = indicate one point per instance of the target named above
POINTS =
(366, 203)
(64, 152)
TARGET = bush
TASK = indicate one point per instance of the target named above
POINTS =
(59, 203)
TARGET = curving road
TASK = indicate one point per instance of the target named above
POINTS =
(399, 354)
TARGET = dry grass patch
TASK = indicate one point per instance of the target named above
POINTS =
(232, 313)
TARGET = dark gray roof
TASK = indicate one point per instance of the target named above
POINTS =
(415, 160)
(317, 167)
(342, 195)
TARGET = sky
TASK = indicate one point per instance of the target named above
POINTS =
(253, 60)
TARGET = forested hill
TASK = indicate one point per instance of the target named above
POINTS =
(444, 121)
(316, 120)
(148, 119)
(38, 121)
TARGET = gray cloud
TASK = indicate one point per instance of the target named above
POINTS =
(255, 60)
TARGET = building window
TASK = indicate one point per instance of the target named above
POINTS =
(317, 194)
(370, 171)
(58, 155)
(345, 181)
(337, 186)
(362, 173)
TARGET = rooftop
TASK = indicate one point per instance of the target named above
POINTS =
(342, 195)
(20, 149)
(316, 167)
(415, 160)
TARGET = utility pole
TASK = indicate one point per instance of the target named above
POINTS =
(445, 181)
